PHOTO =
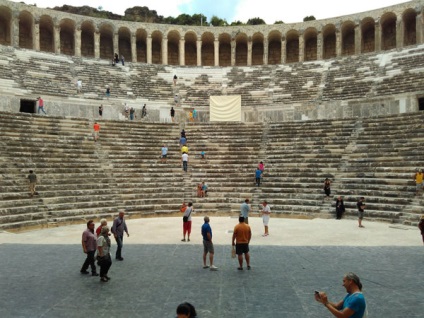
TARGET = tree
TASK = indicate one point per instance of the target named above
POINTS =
(238, 22)
(255, 21)
(215, 21)
(309, 18)
(279, 22)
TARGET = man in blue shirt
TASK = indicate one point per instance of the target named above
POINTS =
(353, 305)
(244, 211)
(258, 175)
(207, 244)
(164, 153)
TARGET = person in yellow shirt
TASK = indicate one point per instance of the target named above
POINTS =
(190, 116)
(419, 181)
(184, 149)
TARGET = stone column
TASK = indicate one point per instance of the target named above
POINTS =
(358, 39)
(216, 52)
(182, 52)
(283, 50)
(266, 49)
(377, 36)
(338, 42)
(165, 50)
(97, 44)
(419, 28)
(77, 42)
(149, 49)
(301, 47)
(36, 35)
(400, 25)
(233, 52)
(133, 48)
(199, 52)
(116, 44)
(14, 30)
(320, 46)
(56, 40)
(249, 52)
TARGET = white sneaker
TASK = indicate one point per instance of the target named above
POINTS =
(213, 268)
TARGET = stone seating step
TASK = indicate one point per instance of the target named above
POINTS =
(26, 224)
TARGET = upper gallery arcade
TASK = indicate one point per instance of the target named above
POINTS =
(47, 30)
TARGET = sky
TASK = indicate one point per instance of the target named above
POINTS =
(234, 10)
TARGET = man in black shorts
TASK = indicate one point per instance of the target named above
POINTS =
(361, 209)
(241, 240)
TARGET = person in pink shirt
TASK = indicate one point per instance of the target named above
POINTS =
(41, 105)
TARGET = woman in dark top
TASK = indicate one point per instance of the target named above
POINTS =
(421, 226)
(340, 208)
(327, 190)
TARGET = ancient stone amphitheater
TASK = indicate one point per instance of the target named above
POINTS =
(340, 98)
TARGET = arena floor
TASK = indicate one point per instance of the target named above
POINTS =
(40, 270)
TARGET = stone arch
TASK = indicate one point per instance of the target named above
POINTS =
(5, 25)
(87, 39)
(329, 39)
(208, 49)
(388, 31)
(67, 36)
(310, 37)
(292, 46)
(141, 45)
(157, 47)
(241, 49)
(124, 43)
(224, 49)
(190, 48)
(409, 18)
(174, 47)
(26, 22)
(368, 35)
(46, 34)
(274, 47)
(348, 38)
(106, 41)
(258, 49)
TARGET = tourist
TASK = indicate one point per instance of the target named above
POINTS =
(186, 310)
(132, 111)
(203, 154)
(183, 134)
(184, 160)
(361, 209)
(183, 141)
(353, 305)
(103, 222)
(103, 253)
(205, 189)
(79, 86)
(32, 178)
(183, 207)
(340, 208)
(208, 245)
(184, 148)
(244, 210)
(118, 228)
(187, 222)
(122, 60)
(261, 166)
(96, 133)
(41, 105)
(101, 110)
(241, 239)
(190, 116)
(194, 114)
(116, 58)
(144, 111)
(175, 80)
(199, 191)
(164, 153)
(107, 91)
(176, 99)
(172, 114)
(327, 188)
(258, 175)
(421, 226)
(89, 246)
(418, 181)
(266, 212)
(126, 111)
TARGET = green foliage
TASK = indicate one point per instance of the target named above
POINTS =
(238, 22)
(255, 21)
(309, 18)
(279, 22)
(215, 21)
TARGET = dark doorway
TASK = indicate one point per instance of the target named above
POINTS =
(27, 106)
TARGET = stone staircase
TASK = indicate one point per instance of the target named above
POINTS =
(80, 179)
